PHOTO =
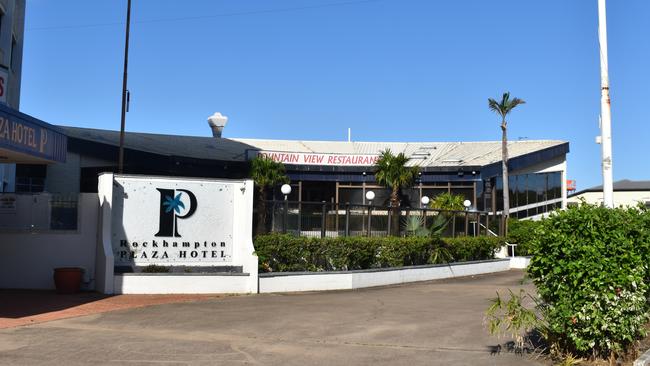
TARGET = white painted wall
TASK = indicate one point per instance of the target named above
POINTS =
(27, 259)
(295, 282)
(621, 198)
(182, 284)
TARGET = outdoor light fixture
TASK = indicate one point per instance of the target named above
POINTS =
(286, 190)
(425, 201)
(370, 195)
(467, 204)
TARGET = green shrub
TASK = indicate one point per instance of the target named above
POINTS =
(286, 253)
(154, 268)
(522, 233)
(590, 266)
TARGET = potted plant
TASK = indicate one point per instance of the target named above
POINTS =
(68, 279)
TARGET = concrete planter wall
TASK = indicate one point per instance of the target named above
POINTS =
(347, 280)
(185, 283)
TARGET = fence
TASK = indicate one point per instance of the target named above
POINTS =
(323, 219)
(38, 211)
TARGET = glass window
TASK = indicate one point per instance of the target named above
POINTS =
(410, 197)
(63, 214)
(499, 193)
(522, 199)
(351, 195)
(512, 187)
(556, 184)
(542, 185)
(14, 54)
(532, 182)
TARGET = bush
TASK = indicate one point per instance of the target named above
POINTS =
(590, 266)
(286, 253)
(522, 233)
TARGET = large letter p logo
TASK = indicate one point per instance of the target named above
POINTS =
(171, 206)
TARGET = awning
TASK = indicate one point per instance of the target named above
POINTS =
(25, 139)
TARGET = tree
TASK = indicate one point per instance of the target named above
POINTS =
(265, 173)
(503, 108)
(448, 201)
(392, 172)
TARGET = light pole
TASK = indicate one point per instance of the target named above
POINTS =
(286, 190)
(120, 161)
(425, 203)
(370, 195)
(467, 204)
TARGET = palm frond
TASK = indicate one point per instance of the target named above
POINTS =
(505, 106)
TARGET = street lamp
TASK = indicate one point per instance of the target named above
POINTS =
(286, 191)
(467, 204)
(370, 195)
(425, 202)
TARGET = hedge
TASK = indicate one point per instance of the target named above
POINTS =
(590, 266)
(286, 253)
(522, 233)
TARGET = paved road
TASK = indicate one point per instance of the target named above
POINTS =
(430, 323)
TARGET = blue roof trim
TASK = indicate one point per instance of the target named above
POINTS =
(526, 160)
(25, 134)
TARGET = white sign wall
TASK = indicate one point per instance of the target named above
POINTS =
(170, 221)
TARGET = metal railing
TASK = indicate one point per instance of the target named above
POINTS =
(324, 219)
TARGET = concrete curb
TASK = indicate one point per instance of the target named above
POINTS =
(644, 360)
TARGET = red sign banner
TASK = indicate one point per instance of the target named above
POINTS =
(304, 158)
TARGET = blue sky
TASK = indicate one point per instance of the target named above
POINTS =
(392, 70)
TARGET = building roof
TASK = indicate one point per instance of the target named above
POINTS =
(424, 154)
(624, 185)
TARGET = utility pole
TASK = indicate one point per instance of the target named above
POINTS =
(605, 110)
(120, 164)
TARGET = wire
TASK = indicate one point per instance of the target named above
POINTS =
(242, 13)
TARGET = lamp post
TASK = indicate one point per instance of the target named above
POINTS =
(370, 195)
(425, 202)
(467, 204)
(120, 159)
(286, 190)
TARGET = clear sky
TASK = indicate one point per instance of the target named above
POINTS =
(392, 70)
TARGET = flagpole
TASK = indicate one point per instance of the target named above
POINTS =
(605, 110)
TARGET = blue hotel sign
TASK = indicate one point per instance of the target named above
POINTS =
(25, 134)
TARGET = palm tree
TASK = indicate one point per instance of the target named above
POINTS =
(502, 108)
(448, 201)
(391, 171)
(265, 173)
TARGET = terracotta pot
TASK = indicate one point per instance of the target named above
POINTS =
(67, 280)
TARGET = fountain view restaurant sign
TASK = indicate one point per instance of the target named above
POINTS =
(305, 158)
(22, 134)
(172, 222)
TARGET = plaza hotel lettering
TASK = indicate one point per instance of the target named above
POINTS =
(158, 249)
(19, 134)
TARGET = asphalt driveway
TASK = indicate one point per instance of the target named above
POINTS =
(428, 323)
